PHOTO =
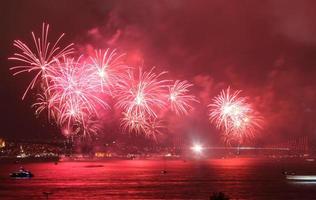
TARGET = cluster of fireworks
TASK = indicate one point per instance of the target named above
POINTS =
(234, 116)
(73, 91)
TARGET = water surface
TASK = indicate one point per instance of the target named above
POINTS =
(240, 178)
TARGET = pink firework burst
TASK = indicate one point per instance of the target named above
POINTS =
(154, 128)
(143, 93)
(138, 123)
(235, 116)
(71, 82)
(91, 126)
(74, 96)
(71, 112)
(45, 102)
(41, 60)
(179, 97)
(134, 122)
(107, 69)
(245, 127)
(227, 106)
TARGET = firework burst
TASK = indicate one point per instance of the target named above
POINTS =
(42, 59)
(107, 68)
(246, 127)
(134, 122)
(154, 128)
(74, 94)
(179, 97)
(143, 93)
(226, 107)
(74, 91)
(232, 114)
(72, 80)
(45, 102)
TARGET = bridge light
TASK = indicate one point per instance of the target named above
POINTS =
(197, 148)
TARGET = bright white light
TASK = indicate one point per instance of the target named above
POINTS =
(139, 99)
(173, 97)
(101, 73)
(72, 112)
(197, 148)
(301, 177)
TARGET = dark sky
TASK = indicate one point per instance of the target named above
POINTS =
(265, 48)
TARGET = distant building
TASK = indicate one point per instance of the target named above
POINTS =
(2, 143)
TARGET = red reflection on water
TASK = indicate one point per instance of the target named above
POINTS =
(239, 178)
(232, 161)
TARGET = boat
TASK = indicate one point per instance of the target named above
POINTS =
(289, 173)
(301, 177)
(163, 171)
(22, 173)
(219, 195)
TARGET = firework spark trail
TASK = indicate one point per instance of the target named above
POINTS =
(70, 131)
(235, 116)
(154, 128)
(40, 60)
(45, 102)
(41, 103)
(91, 126)
(70, 113)
(179, 97)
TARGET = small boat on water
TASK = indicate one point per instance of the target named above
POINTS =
(163, 171)
(22, 173)
(289, 173)
(292, 176)
(301, 177)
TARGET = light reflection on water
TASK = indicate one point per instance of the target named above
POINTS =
(303, 182)
(240, 178)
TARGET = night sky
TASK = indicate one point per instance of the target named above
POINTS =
(265, 48)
